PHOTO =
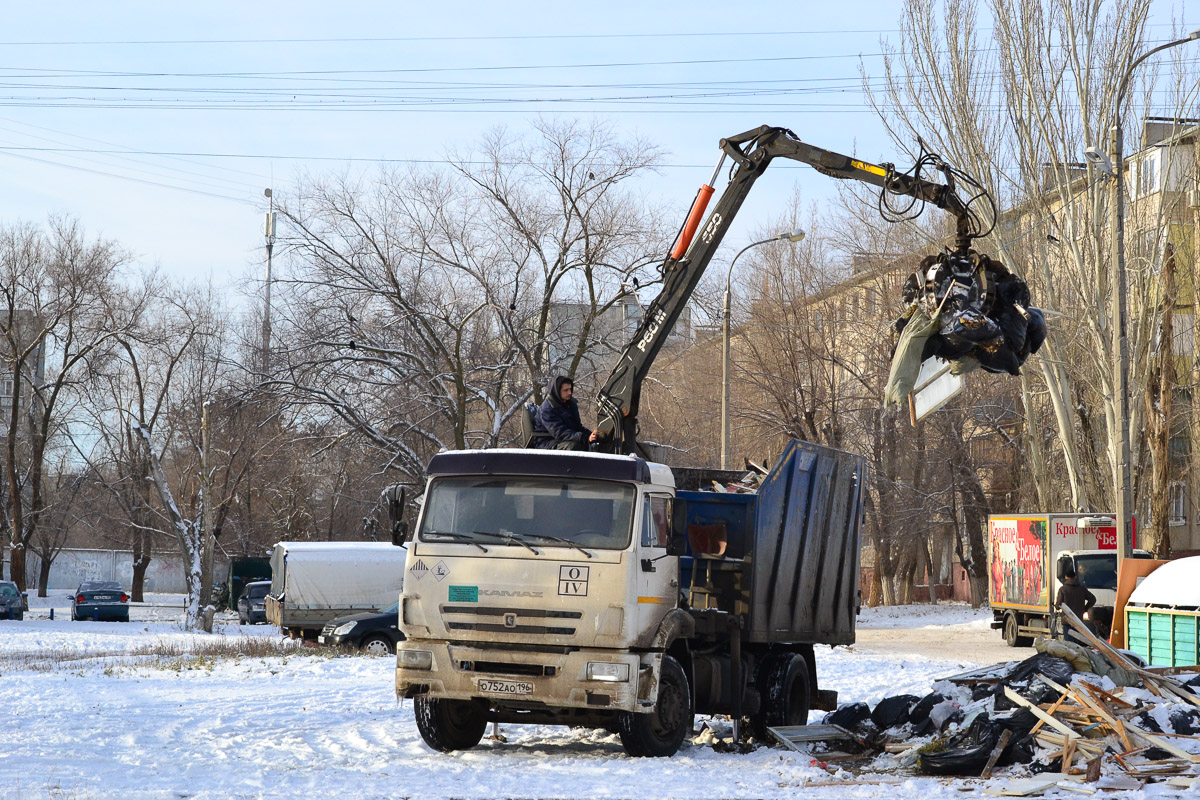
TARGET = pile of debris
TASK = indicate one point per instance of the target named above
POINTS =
(749, 483)
(1072, 717)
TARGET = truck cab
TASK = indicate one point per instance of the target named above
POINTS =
(1096, 570)
(539, 580)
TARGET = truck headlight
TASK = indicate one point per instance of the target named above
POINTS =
(606, 671)
(415, 659)
(344, 628)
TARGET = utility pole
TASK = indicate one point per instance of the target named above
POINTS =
(269, 232)
(1120, 342)
(206, 537)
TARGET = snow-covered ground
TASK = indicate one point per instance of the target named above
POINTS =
(90, 712)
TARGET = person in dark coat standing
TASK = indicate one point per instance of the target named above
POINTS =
(1075, 596)
(558, 415)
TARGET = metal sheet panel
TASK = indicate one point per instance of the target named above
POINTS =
(804, 558)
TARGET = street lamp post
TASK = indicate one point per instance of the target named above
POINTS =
(793, 236)
(1120, 341)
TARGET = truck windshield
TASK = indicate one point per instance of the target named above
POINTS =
(1097, 572)
(586, 513)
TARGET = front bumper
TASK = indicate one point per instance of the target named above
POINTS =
(556, 680)
(257, 615)
(334, 640)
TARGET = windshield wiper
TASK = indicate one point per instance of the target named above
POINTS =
(510, 538)
(560, 540)
(458, 537)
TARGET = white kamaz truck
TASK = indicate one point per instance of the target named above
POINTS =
(596, 590)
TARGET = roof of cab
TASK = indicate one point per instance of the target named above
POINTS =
(556, 463)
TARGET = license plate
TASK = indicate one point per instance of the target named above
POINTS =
(102, 597)
(321, 639)
(505, 687)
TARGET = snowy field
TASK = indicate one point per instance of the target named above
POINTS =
(127, 710)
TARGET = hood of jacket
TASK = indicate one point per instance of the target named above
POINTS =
(553, 388)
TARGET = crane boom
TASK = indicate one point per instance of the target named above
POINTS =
(682, 270)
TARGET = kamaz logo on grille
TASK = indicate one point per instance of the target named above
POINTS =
(510, 620)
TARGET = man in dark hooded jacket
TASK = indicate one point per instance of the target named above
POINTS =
(1075, 596)
(559, 416)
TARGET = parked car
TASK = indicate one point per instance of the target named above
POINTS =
(375, 632)
(12, 606)
(252, 605)
(99, 600)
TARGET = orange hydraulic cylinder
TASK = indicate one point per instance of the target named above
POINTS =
(693, 221)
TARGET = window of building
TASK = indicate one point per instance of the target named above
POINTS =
(1177, 503)
(1148, 173)
(6, 389)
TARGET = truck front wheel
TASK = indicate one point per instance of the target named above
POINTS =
(660, 733)
(449, 725)
(783, 684)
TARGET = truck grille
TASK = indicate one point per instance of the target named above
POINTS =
(504, 668)
(492, 627)
(511, 620)
(497, 611)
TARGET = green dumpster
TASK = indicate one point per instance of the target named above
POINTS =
(243, 570)
(1162, 617)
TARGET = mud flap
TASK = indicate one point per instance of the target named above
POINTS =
(826, 700)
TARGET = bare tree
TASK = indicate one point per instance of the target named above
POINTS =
(1017, 112)
(61, 311)
(424, 309)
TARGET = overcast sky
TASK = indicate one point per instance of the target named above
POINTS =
(239, 96)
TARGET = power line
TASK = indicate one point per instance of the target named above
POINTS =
(492, 38)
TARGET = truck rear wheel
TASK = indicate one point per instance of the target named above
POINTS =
(1011, 636)
(660, 733)
(783, 685)
(449, 725)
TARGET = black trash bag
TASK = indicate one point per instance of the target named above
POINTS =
(968, 752)
(1053, 765)
(1185, 721)
(1000, 361)
(1056, 669)
(892, 712)
(1147, 722)
(1035, 334)
(1193, 682)
(851, 716)
(920, 712)
(981, 690)
(919, 716)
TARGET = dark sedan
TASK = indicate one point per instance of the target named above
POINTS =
(12, 605)
(375, 632)
(99, 600)
(252, 605)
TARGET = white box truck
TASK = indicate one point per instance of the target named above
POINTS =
(314, 582)
(1028, 555)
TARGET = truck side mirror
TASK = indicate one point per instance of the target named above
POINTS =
(396, 509)
(677, 545)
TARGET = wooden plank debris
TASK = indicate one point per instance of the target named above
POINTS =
(994, 756)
